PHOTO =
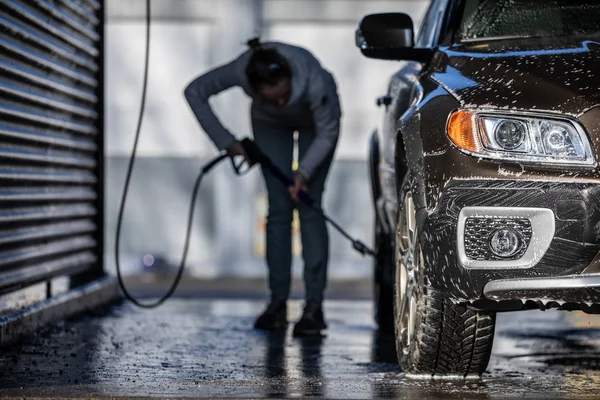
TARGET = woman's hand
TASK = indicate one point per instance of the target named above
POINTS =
(236, 149)
(300, 182)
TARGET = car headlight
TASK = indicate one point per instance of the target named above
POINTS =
(518, 137)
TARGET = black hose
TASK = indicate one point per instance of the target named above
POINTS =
(204, 170)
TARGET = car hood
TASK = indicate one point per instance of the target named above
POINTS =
(543, 75)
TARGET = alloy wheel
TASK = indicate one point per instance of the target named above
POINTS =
(408, 262)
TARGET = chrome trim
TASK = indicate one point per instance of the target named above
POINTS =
(542, 226)
(501, 289)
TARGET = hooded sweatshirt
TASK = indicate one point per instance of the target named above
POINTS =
(311, 85)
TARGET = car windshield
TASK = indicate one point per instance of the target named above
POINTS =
(528, 18)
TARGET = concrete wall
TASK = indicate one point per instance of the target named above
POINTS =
(190, 37)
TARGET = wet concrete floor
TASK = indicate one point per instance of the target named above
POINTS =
(206, 348)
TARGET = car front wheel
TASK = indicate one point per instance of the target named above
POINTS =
(434, 336)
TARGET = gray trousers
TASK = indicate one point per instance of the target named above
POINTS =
(275, 137)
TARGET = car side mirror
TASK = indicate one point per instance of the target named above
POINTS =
(389, 36)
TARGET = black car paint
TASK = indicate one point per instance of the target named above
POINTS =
(413, 138)
(576, 240)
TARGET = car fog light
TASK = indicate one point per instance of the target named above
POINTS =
(506, 242)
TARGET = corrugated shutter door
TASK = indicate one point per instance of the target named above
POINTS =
(50, 139)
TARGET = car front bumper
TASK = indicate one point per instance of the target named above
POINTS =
(576, 288)
(554, 276)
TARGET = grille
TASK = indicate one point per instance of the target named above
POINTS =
(479, 230)
(50, 140)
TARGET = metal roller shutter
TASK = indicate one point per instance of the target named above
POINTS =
(50, 140)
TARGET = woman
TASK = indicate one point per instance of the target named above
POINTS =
(291, 92)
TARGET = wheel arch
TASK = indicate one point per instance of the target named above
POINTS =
(409, 156)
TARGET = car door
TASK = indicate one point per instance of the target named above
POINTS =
(403, 91)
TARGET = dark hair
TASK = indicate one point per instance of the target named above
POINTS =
(266, 66)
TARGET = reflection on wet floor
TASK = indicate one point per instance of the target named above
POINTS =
(207, 348)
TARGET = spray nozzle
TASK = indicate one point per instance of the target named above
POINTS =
(362, 248)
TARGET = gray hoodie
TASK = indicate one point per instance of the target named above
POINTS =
(311, 84)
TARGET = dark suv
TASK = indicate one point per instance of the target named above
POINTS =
(484, 172)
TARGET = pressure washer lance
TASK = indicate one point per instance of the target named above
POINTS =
(257, 156)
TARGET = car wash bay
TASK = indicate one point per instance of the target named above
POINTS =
(206, 348)
(53, 278)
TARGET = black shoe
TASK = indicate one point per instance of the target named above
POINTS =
(312, 321)
(274, 318)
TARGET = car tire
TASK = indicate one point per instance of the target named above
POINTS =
(383, 264)
(434, 335)
(383, 287)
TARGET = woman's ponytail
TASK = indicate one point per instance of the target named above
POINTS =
(254, 43)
